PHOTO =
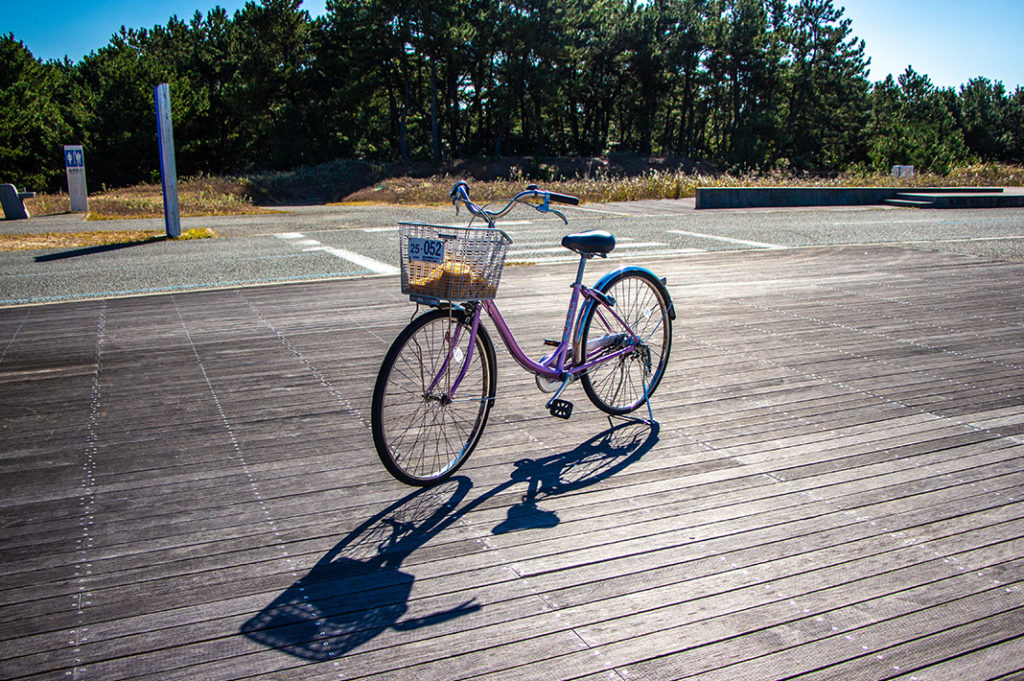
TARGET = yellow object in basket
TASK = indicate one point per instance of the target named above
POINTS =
(453, 280)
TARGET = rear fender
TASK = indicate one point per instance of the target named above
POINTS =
(604, 282)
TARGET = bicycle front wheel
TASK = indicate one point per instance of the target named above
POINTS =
(421, 432)
(620, 385)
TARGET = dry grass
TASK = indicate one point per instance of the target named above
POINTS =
(207, 196)
(668, 185)
(197, 197)
(48, 204)
(68, 240)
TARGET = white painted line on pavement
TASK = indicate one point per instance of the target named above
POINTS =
(620, 242)
(501, 224)
(560, 249)
(312, 245)
(523, 245)
(572, 257)
(356, 259)
(741, 242)
(605, 212)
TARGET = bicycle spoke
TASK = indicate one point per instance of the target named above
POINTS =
(421, 436)
(622, 384)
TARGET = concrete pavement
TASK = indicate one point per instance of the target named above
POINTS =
(308, 243)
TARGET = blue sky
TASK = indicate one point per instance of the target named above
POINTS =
(950, 42)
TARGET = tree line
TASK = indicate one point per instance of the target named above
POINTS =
(738, 84)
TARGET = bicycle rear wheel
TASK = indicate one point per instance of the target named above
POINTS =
(423, 436)
(620, 385)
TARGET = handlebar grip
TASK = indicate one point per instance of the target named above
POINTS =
(564, 198)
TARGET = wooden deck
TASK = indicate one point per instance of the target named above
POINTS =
(189, 488)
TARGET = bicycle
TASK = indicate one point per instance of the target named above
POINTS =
(437, 383)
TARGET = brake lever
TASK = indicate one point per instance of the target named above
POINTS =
(545, 207)
(548, 209)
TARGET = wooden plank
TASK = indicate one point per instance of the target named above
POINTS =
(841, 426)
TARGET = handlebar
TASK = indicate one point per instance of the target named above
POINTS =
(460, 194)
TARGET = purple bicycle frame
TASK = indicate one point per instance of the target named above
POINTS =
(553, 366)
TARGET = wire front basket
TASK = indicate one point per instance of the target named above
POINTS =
(451, 263)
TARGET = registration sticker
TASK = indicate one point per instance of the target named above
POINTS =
(426, 250)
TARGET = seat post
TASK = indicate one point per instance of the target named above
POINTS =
(579, 272)
(573, 304)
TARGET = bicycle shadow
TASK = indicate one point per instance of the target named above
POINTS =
(595, 460)
(358, 590)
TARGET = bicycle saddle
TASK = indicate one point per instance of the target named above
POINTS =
(594, 242)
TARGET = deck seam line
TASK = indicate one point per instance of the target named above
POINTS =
(319, 375)
(239, 454)
(913, 463)
(83, 566)
(15, 336)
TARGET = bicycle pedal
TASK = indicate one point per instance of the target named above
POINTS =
(560, 408)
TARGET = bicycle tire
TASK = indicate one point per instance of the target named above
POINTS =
(420, 438)
(621, 385)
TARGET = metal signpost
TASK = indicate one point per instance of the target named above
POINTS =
(74, 165)
(168, 171)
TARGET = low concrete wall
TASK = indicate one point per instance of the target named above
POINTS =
(762, 197)
(974, 200)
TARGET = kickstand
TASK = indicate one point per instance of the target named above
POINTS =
(649, 421)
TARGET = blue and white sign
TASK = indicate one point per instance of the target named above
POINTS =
(74, 157)
(74, 166)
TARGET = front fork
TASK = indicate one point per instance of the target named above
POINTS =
(454, 354)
